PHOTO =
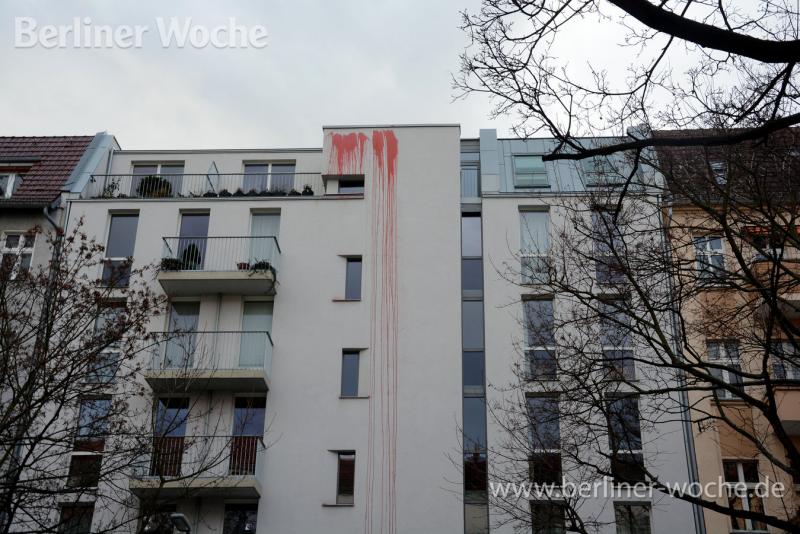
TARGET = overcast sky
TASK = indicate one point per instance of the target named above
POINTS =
(327, 62)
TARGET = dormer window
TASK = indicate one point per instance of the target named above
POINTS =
(719, 171)
(9, 184)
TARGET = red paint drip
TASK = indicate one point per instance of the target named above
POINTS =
(347, 153)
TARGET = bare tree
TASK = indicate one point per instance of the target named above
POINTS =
(659, 308)
(77, 421)
(693, 64)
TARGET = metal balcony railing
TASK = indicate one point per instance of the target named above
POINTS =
(218, 254)
(200, 457)
(210, 351)
(203, 185)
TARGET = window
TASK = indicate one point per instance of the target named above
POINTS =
(193, 242)
(351, 186)
(84, 470)
(107, 332)
(119, 249)
(16, 253)
(534, 246)
(181, 343)
(719, 171)
(615, 341)
(725, 354)
(345, 477)
(609, 246)
(470, 174)
(710, 261)
(352, 285)
(157, 521)
(473, 373)
(471, 235)
(350, 364)
(545, 435)
(240, 518)
(248, 431)
(93, 419)
(474, 425)
(632, 518)
(170, 416)
(9, 184)
(625, 439)
(540, 341)
(529, 171)
(472, 324)
(472, 274)
(742, 477)
(786, 362)
(76, 519)
(547, 518)
(255, 344)
(600, 171)
(157, 180)
(276, 177)
(767, 245)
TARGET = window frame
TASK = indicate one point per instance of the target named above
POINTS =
(747, 501)
(534, 265)
(349, 294)
(629, 529)
(719, 171)
(531, 350)
(538, 450)
(24, 249)
(345, 499)
(519, 182)
(268, 185)
(549, 528)
(121, 281)
(351, 189)
(707, 272)
(619, 372)
(14, 181)
(723, 356)
(598, 171)
(620, 454)
(345, 354)
(785, 370)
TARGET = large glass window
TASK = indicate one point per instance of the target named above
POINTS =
(240, 518)
(726, 355)
(193, 241)
(615, 340)
(744, 474)
(181, 344)
(16, 253)
(540, 343)
(534, 246)
(474, 425)
(93, 416)
(625, 439)
(350, 365)
(710, 260)
(471, 235)
(632, 518)
(119, 249)
(473, 373)
(76, 519)
(472, 324)
(547, 518)
(352, 286)
(345, 478)
(157, 180)
(529, 171)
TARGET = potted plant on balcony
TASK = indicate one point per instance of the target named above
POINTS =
(209, 194)
(294, 193)
(224, 193)
(252, 193)
(260, 266)
(243, 265)
(238, 193)
(307, 191)
(154, 187)
(171, 264)
(192, 260)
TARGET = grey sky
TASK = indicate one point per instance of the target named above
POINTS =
(328, 62)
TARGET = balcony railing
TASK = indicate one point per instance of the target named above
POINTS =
(219, 254)
(203, 185)
(211, 351)
(200, 457)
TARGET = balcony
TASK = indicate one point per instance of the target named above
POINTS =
(205, 186)
(201, 361)
(199, 466)
(245, 265)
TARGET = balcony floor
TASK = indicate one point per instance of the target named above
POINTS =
(191, 283)
(165, 380)
(232, 487)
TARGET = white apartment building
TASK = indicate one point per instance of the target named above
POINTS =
(337, 353)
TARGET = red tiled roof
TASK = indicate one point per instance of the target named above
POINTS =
(51, 161)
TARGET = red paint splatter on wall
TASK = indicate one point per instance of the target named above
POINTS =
(347, 153)
(381, 511)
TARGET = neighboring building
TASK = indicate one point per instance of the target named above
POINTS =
(35, 175)
(730, 327)
(330, 319)
(509, 233)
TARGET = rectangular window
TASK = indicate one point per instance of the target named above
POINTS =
(93, 422)
(350, 365)
(625, 439)
(719, 171)
(248, 431)
(157, 180)
(351, 186)
(352, 285)
(632, 518)
(119, 249)
(193, 242)
(529, 171)
(609, 246)
(547, 518)
(76, 519)
(16, 253)
(181, 343)
(84, 470)
(171, 415)
(545, 468)
(544, 423)
(240, 518)
(472, 324)
(726, 355)
(540, 344)
(599, 170)
(275, 177)
(345, 477)
(534, 246)
(786, 361)
(744, 472)
(9, 184)
(472, 274)
(473, 373)
(474, 425)
(710, 260)
(615, 340)
(471, 235)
